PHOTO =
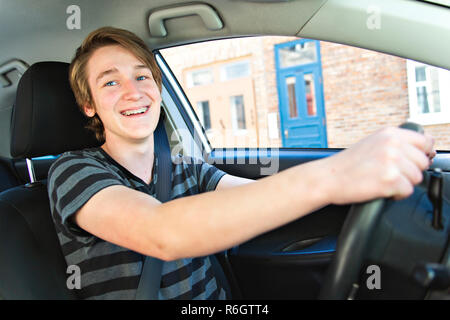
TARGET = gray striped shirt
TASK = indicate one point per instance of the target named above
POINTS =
(109, 271)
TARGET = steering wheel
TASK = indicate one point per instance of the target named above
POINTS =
(353, 243)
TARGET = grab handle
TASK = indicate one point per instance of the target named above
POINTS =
(210, 18)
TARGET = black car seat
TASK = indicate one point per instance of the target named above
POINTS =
(45, 121)
(7, 178)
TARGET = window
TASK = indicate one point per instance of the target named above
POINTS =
(429, 96)
(235, 70)
(310, 93)
(199, 78)
(298, 54)
(204, 115)
(237, 113)
(269, 92)
(290, 83)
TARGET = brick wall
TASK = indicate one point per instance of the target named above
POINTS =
(363, 92)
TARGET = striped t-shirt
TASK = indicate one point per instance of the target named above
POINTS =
(109, 271)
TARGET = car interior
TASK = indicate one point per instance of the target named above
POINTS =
(327, 254)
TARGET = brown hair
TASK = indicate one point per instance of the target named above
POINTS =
(78, 67)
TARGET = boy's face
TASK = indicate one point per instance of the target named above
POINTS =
(124, 93)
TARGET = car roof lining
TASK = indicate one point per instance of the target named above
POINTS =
(427, 40)
(338, 21)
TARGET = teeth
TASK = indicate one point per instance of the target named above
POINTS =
(137, 111)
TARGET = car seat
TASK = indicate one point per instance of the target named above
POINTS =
(7, 178)
(45, 121)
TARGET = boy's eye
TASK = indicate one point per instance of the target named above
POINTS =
(141, 78)
(111, 83)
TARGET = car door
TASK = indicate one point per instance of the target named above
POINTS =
(289, 262)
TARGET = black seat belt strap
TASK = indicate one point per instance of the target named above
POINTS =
(220, 275)
(150, 280)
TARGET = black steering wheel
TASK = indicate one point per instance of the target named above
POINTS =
(353, 244)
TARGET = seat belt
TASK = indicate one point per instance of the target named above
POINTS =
(221, 279)
(150, 280)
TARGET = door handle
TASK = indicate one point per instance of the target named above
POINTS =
(311, 246)
(286, 133)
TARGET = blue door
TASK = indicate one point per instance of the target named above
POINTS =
(300, 94)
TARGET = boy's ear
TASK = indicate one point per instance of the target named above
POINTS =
(89, 110)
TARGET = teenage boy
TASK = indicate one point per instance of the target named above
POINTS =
(103, 199)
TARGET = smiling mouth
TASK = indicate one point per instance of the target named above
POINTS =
(134, 112)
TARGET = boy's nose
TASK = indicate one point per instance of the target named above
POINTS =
(131, 90)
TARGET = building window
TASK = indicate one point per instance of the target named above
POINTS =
(237, 114)
(298, 54)
(429, 93)
(310, 93)
(235, 70)
(292, 97)
(199, 78)
(204, 115)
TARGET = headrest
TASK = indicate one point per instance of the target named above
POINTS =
(46, 119)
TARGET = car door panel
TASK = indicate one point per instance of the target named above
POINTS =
(289, 262)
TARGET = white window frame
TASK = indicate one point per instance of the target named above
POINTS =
(444, 96)
(190, 80)
(223, 72)
(234, 122)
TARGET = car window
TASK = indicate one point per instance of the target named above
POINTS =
(291, 92)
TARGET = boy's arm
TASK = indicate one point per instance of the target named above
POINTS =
(386, 164)
(230, 181)
(201, 224)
